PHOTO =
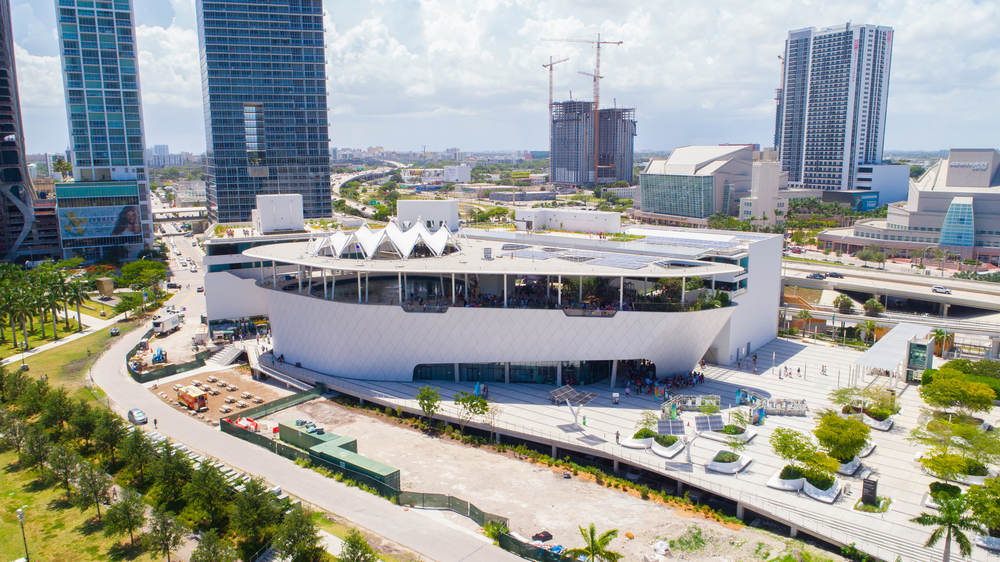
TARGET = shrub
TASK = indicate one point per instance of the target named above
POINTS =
(791, 473)
(449, 430)
(819, 480)
(644, 492)
(644, 433)
(665, 440)
(733, 430)
(943, 490)
(726, 456)
(388, 412)
(975, 468)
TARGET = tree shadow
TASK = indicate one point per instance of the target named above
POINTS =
(124, 551)
(12, 468)
(60, 503)
(37, 485)
(90, 526)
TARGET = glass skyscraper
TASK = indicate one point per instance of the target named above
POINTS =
(16, 215)
(264, 88)
(832, 104)
(108, 204)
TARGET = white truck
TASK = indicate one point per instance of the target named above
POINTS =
(166, 323)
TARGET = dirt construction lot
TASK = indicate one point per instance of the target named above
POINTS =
(240, 377)
(534, 497)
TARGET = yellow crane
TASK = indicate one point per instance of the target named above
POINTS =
(597, 93)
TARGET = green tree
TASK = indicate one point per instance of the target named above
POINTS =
(469, 406)
(127, 515)
(942, 339)
(143, 273)
(356, 549)
(950, 389)
(648, 419)
(794, 447)
(206, 495)
(916, 171)
(94, 485)
(59, 164)
(137, 452)
(110, 433)
(76, 295)
(868, 329)
(62, 465)
(298, 538)
(873, 307)
(842, 438)
(212, 549)
(254, 512)
(171, 470)
(429, 401)
(984, 502)
(596, 547)
(83, 421)
(165, 533)
(36, 449)
(951, 523)
(844, 304)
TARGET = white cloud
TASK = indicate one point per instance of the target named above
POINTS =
(403, 73)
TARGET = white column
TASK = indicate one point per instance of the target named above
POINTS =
(548, 286)
(452, 289)
(713, 283)
(301, 272)
(581, 290)
(359, 286)
(274, 274)
(506, 373)
(366, 287)
(559, 297)
(683, 289)
(400, 286)
(456, 372)
(621, 292)
(614, 372)
(505, 294)
(559, 373)
(465, 291)
(324, 283)
(262, 273)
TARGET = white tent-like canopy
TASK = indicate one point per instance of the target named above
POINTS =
(369, 240)
(889, 352)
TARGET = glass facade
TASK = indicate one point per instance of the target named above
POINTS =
(959, 228)
(538, 372)
(264, 82)
(685, 196)
(15, 200)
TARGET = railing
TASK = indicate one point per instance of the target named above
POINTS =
(900, 316)
(867, 539)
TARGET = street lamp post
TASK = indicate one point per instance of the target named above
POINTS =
(24, 347)
(20, 518)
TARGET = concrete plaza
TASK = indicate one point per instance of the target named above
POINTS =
(528, 414)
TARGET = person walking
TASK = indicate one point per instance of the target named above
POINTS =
(154, 423)
(617, 436)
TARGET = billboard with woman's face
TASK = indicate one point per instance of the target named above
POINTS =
(96, 222)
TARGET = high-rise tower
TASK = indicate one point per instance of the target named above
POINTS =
(264, 88)
(15, 204)
(572, 148)
(831, 110)
(107, 205)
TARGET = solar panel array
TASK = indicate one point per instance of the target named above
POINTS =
(511, 247)
(603, 259)
(532, 255)
(715, 422)
(562, 393)
(691, 242)
(574, 397)
(576, 258)
(583, 398)
(701, 424)
(670, 427)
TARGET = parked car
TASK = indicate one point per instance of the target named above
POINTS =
(136, 416)
(835, 275)
(819, 276)
(201, 289)
(173, 285)
(940, 289)
(194, 268)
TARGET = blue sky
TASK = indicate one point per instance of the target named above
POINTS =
(443, 73)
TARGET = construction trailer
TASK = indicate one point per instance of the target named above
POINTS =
(192, 397)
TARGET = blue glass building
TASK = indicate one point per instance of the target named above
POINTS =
(104, 112)
(264, 87)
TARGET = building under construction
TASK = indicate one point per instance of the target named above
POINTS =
(572, 149)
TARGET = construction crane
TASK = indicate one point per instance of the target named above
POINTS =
(552, 169)
(597, 93)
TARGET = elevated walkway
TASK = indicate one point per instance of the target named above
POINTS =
(253, 358)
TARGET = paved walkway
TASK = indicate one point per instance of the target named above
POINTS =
(529, 414)
(92, 325)
(429, 538)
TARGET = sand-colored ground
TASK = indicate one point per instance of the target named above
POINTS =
(533, 497)
(238, 376)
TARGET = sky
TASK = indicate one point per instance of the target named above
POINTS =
(404, 74)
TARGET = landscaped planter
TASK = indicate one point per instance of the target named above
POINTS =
(848, 469)
(867, 450)
(825, 496)
(746, 436)
(637, 443)
(667, 452)
(729, 467)
(883, 507)
(873, 423)
(967, 479)
(787, 485)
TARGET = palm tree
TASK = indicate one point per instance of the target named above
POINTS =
(950, 522)
(52, 302)
(868, 327)
(76, 294)
(942, 338)
(596, 548)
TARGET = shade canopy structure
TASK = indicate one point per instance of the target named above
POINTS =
(572, 398)
(889, 352)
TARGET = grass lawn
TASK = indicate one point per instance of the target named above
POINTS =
(341, 530)
(809, 295)
(35, 338)
(65, 365)
(55, 531)
(93, 308)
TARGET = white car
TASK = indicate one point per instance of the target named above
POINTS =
(940, 289)
(194, 269)
(136, 416)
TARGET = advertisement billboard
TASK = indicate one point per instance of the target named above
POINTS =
(520, 175)
(94, 222)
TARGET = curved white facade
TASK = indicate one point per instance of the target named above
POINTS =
(386, 342)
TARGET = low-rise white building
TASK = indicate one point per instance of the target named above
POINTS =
(458, 174)
(432, 214)
(277, 213)
(603, 222)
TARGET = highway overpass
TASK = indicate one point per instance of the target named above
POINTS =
(972, 294)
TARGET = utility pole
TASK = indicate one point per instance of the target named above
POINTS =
(552, 166)
(597, 93)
